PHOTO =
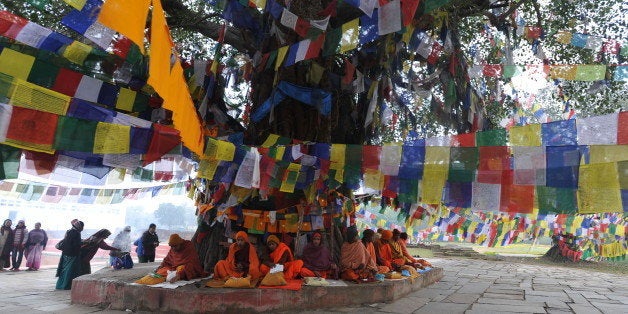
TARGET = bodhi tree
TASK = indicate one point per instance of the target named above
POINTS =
(367, 72)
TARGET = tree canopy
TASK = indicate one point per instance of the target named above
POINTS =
(425, 72)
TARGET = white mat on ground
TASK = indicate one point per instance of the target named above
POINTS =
(175, 285)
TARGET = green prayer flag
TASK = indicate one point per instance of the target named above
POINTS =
(332, 42)
(590, 72)
(43, 73)
(9, 161)
(40, 4)
(556, 200)
(497, 137)
(75, 134)
(463, 162)
(141, 102)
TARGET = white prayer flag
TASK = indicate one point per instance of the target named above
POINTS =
(389, 20)
(88, 89)
(33, 34)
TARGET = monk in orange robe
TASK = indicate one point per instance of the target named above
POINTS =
(367, 241)
(241, 260)
(183, 258)
(385, 252)
(281, 254)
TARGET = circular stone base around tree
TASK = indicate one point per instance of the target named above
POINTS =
(113, 289)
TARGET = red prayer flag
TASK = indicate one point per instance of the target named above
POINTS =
(349, 71)
(164, 140)
(370, 157)
(622, 128)
(26, 126)
(67, 82)
(463, 140)
(315, 47)
(302, 27)
(11, 25)
(408, 9)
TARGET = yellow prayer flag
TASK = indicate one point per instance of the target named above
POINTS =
(373, 179)
(77, 52)
(598, 189)
(126, 99)
(15, 63)
(271, 140)
(28, 95)
(434, 177)
(126, 17)
(281, 54)
(207, 168)
(184, 116)
(225, 151)
(565, 72)
(281, 150)
(210, 149)
(337, 156)
(112, 138)
(349, 39)
(259, 3)
(160, 51)
(563, 37)
(607, 153)
(290, 179)
(437, 155)
(526, 135)
(77, 4)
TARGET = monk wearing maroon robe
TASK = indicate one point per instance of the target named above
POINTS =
(181, 258)
(317, 260)
(241, 260)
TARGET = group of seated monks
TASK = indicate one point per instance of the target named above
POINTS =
(360, 260)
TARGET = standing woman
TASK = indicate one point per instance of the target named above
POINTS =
(35, 244)
(6, 244)
(90, 247)
(150, 241)
(69, 264)
(20, 233)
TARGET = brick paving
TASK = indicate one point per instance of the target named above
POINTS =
(469, 286)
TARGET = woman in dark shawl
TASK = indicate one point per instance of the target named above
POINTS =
(317, 260)
(69, 264)
(90, 246)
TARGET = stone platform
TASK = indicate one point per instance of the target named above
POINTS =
(110, 289)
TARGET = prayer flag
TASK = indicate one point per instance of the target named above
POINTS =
(75, 134)
(389, 19)
(16, 64)
(126, 17)
(349, 37)
(25, 130)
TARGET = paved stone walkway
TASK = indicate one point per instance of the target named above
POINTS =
(469, 286)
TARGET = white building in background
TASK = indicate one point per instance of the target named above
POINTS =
(57, 216)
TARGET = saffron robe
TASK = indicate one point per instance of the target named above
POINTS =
(352, 255)
(381, 269)
(283, 255)
(246, 256)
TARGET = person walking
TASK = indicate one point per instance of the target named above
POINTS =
(69, 264)
(150, 241)
(35, 244)
(20, 233)
(122, 242)
(6, 244)
(89, 248)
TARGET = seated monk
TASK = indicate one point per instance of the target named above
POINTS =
(399, 251)
(182, 258)
(241, 260)
(385, 252)
(355, 262)
(317, 260)
(367, 240)
(280, 254)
